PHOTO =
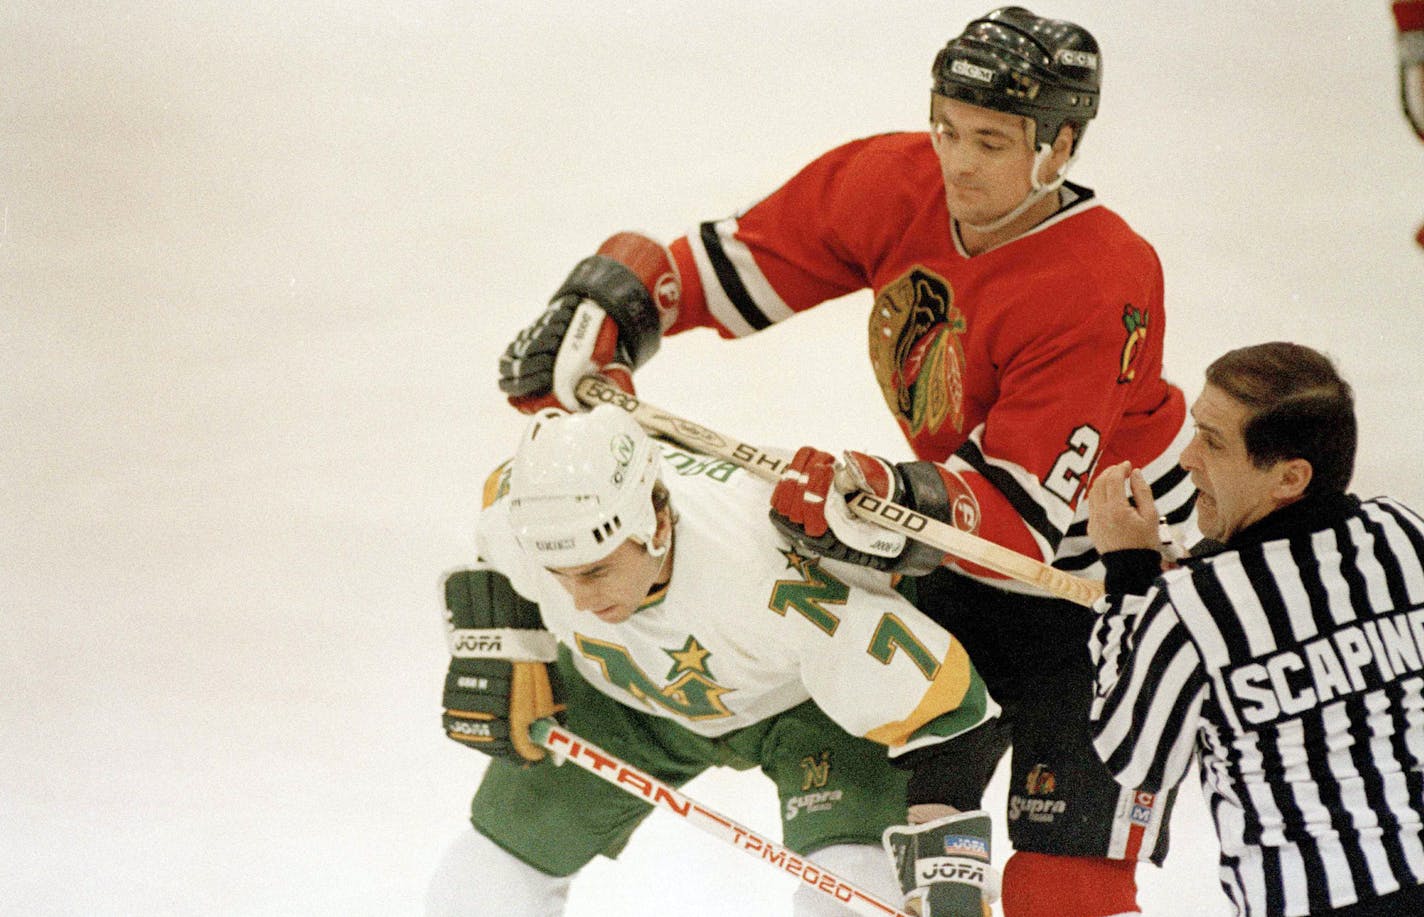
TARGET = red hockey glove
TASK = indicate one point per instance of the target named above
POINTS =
(809, 507)
(607, 318)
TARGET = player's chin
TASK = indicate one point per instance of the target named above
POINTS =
(965, 204)
(613, 614)
(974, 213)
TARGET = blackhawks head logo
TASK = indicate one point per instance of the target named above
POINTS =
(1041, 781)
(1135, 321)
(916, 351)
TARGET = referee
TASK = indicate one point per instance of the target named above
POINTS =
(1287, 656)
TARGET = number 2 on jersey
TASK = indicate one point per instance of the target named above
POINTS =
(1073, 464)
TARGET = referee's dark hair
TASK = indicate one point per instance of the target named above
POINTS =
(1300, 408)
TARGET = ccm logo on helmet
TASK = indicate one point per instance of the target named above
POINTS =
(964, 68)
(1077, 58)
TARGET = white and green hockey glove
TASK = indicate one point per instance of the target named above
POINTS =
(944, 867)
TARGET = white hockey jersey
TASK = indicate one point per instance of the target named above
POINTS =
(748, 627)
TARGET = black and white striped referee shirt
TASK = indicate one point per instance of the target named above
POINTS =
(1292, 663)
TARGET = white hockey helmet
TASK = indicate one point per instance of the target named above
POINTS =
(581, 485)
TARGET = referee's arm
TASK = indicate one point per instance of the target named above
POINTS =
(1149, 687)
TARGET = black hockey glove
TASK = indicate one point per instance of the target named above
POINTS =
(499, 679)
(606, 319)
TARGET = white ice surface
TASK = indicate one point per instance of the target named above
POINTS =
(257, 262)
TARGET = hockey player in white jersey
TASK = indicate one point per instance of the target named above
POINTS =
(677, 629)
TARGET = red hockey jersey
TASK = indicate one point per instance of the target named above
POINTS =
(1021, 368)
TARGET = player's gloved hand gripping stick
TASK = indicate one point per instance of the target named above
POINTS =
(864, 505)
(499, 680)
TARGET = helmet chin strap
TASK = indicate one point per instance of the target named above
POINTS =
(1038, 192)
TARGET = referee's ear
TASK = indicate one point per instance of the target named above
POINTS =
(1292, 476)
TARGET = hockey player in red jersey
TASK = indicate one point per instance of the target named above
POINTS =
(1016, 333)
(1409, 17)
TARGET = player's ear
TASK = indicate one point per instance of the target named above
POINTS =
(662, 510)
(662, 535)
(1062, 147)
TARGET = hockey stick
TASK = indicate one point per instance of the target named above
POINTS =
(767, 464)
(568, 747)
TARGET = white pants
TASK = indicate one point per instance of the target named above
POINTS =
(478, 878)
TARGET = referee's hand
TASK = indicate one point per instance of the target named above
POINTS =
(1117, 521)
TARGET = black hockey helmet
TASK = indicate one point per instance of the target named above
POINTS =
(1011, 60)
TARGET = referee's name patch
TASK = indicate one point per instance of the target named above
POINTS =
(1359, 656)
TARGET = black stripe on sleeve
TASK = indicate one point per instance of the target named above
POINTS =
(1076, 562)
(730, 281)
(1176, 718)
(1132, 628)
(1028, 509)
(1147, 709)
